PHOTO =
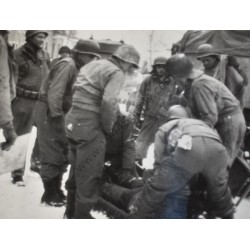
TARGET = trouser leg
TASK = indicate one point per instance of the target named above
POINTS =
(88, 171)
(175, 206)
(23, 120)
(232, 131)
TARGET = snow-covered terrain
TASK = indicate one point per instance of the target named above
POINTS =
(24, 202)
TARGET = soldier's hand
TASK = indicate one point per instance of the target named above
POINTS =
(9, 135)
(135, 183)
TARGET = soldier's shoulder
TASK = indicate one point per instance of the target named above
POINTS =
(106, 66)
(65, 63)
(68, 60)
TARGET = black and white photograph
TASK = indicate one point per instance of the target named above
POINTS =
(136, 115)
(125, 124)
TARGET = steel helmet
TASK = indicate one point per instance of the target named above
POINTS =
(108, 47)
(129, 54)
(179, 65)
(90, 47)
(177, 112)
(161, 60)
(205, 50)
(65, 49)
(30, 33)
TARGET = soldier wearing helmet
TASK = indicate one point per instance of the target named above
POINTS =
(63, 52)
(211, 101)
(155, 96)
(184, 147)
(54, 102)
(90, 120)
(224, 68)
(33, 66)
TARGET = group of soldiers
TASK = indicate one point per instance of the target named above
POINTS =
(193, 117)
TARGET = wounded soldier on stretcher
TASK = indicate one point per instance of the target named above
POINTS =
(184, 149)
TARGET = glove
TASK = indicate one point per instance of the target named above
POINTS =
(135, 183)
(9, 135)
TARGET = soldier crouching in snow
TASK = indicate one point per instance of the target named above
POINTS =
(184, 147)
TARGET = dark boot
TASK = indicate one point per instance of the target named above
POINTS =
(82, 211)
(18, 180)
(70, 206)
(58, 181)
(118, 195)
(51, 196)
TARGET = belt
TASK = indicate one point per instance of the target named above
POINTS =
(27, 93)
(231, 111)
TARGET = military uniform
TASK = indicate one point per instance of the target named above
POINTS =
(231, 77)
(212, 102)
(91, 117)
(55, 101)
(183, 149)
(153, 99)
(32, 72)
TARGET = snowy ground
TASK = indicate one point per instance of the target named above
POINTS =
(24, 202)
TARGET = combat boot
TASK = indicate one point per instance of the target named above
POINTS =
(51, 196)
(18, 181)
(118, 195)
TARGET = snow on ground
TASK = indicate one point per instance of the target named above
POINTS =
(24, 202)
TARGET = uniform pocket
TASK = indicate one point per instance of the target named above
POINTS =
(81, 128)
